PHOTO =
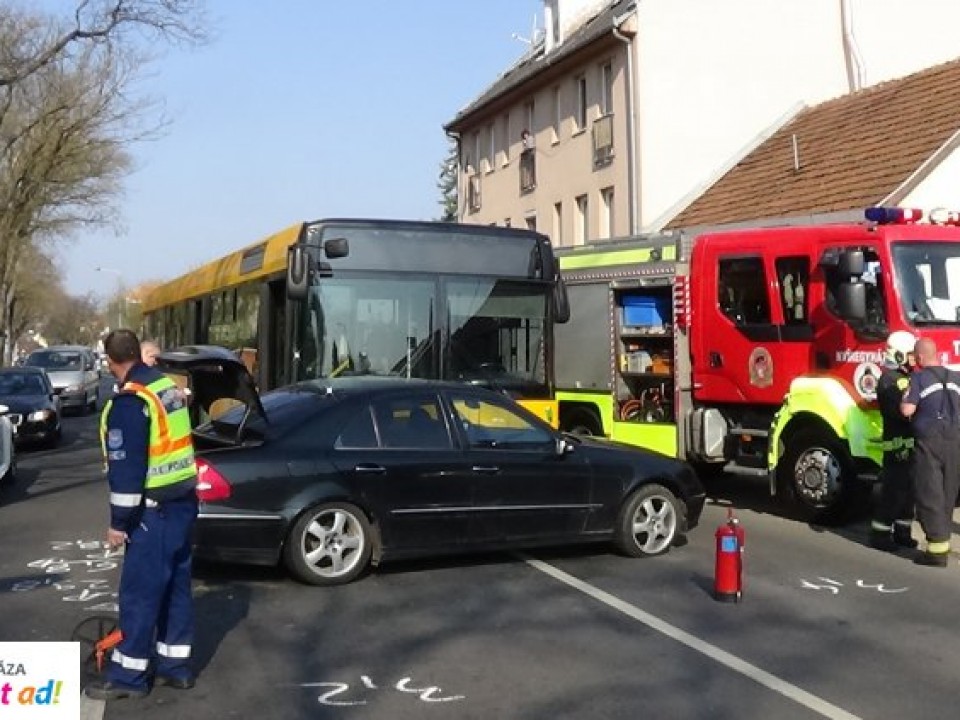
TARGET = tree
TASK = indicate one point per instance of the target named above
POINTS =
(448, 183)
(68, 113)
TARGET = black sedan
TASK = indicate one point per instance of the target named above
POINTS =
(34, 408)
(329, 477)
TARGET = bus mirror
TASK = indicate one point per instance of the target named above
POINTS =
(851, 263)
(298, 272)
(852, 301)
(336, 247)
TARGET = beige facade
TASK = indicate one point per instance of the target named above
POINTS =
(554, 157)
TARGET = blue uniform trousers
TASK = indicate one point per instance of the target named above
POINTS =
(156, 603)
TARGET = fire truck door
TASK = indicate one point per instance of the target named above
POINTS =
(738, 336)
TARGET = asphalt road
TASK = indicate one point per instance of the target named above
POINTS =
(828, 627)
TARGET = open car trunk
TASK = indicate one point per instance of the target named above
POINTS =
(223, 397)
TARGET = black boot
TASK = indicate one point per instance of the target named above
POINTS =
(882, 540)
(106, 690)
(932, 559)
(902, 537)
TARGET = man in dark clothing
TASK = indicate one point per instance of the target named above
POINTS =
(890, 528)
(932, 401)
(148, 451)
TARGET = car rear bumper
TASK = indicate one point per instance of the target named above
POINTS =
(230, 536)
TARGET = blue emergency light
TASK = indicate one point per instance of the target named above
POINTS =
(892, 215)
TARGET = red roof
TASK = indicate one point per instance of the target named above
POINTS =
(853, 152)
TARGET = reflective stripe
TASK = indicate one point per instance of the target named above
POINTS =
(938, 548)
(928, 391)
(129, 663)
(880, 527)
(897, 444)
(173, 651)
(125, 499)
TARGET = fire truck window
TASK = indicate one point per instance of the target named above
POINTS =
(793, 274)
(743, 291)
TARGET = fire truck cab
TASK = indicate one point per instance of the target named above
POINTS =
(756, 350)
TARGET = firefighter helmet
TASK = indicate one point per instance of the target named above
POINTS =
(900, 344)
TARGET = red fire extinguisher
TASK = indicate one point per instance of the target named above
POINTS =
(728, 576)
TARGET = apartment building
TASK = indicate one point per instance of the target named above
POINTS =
(625, 111)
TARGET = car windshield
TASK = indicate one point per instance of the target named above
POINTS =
(928, 276)
(20, 384)
(56, 360)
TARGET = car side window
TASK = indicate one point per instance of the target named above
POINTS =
(492, 424)
(412, 421)
(358, 432)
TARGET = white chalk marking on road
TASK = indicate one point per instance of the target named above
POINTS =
(818, 705)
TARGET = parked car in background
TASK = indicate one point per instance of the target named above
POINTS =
(330, 476)
(8, 453)
(73, 371)
(33, 406)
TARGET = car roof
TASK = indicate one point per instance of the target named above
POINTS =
(22, 369)
(77, 348)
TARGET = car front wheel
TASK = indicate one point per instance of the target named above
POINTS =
(329, 544)
(649, 522)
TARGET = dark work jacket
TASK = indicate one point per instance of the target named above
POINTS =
(936, 393)
(890, 389)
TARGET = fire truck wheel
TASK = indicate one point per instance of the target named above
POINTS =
(815, 470)
(583, 422)
(649, 522)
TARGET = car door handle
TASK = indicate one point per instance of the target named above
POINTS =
(369, 469)
(486, 469)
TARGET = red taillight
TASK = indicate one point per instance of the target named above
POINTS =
(211, 485)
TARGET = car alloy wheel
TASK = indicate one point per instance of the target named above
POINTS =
(649, 522)
(329, 544)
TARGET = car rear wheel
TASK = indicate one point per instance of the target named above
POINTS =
(329, 544)
(649, 523)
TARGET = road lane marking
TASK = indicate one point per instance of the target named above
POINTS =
(817, 705)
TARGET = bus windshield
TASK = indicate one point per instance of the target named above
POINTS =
(928, 276)
(482, 330)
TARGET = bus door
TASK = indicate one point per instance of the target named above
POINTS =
(274, 357)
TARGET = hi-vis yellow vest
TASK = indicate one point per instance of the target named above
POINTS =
(170, 454)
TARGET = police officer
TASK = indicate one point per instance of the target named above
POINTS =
(890, 528)
(145, 435)
(933, 401)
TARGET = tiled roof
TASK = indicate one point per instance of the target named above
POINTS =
(535, 62)
(853, 152)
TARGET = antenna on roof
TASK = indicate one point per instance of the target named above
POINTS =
(535, 34)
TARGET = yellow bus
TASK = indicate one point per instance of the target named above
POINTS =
(378, 297)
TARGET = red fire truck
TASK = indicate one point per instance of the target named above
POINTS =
(756, 350)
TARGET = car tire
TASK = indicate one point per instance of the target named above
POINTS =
(650, 522)
(583, 422)
(329, 544)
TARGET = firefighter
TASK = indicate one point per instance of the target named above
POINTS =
(145, 435)
(932, 400)
(890, 528)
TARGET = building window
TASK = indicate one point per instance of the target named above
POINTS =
(528, 169)
(531, 221)
(473, 192)
(476, 151)
(530, 115)
(507, 223)
(492, 147)
(581, 103)
(606, 89)
(505, 139)
(606, 213)
(556, 114)
(582, 228)
(558, 224)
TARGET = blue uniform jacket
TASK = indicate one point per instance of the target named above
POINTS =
(128, 437)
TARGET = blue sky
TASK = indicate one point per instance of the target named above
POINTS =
(297, 110)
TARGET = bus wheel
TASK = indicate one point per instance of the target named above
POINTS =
(583, 422)
(816, 471)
